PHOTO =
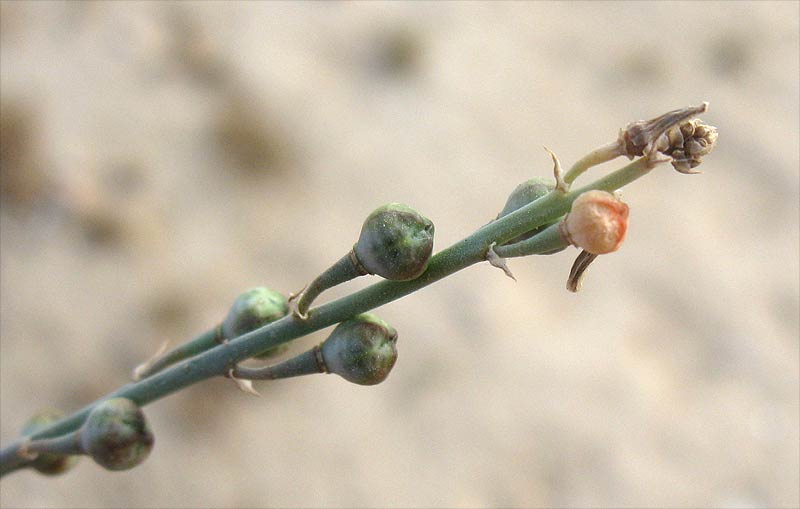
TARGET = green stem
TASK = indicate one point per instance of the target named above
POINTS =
(201, 343)
(597, 156)
(543, 242)
(64, 445)
(307, 363)
(12, 459)
(345, 269)
(218, 360)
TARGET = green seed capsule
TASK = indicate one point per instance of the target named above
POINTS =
(361, 350)
(116, 434)
(46, 463)
(396, 242)
(525, 193)
(254, 309)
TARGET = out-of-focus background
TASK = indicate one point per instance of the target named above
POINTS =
(160, 158)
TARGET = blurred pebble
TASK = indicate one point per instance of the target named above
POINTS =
(398, 53)
(729, 55)
(23, 182)
(251, 141)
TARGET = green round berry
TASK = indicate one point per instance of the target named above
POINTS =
(254, 309)
(116, 434)
(362, 350)
(396, 242)
(47, 463)
(525, 193)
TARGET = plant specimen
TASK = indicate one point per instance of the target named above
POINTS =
(540, 217)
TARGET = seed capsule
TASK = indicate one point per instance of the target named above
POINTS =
(525, 193)
(597, 222)
(253, 309)
(361, 350)
(116, 435)
(689, 143)
(48, 463)
(396, 242)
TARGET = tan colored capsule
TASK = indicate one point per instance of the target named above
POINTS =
(597, 222)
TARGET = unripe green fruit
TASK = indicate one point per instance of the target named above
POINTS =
(396, 242)
(116, 434)
(47, 463)
(525, 193)
(254, 309)
(361, 350)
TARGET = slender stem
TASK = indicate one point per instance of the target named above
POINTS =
(64, 445)
(23, 456)
(11, 458)
(345, 269)
(201, 343)
(597, 156)
(543, 242)
(218, 360)
(307, 363)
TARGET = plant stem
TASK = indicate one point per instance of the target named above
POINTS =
(307, 363)
(25, 453)
(345, 269)
(543, 242)
(220, 359)
(597, 156)
(201, 343)
(65, 445)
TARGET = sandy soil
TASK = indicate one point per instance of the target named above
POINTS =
(159, 158)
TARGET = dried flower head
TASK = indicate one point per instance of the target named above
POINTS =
(674, 134)
(597, 222)
(639, 137)
(687, 143)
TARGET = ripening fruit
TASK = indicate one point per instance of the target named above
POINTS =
(362, 350)
(525, 193)
(116, 434)
(254, 309)
(396, 242)
(597, 222)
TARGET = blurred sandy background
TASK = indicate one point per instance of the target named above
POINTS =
(160, 158)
